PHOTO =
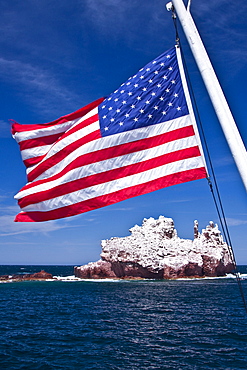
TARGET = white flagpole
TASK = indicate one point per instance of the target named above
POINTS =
(213, 87)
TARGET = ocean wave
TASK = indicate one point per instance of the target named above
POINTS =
(73, 278)
(228, 276)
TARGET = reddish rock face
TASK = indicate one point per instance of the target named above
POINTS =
(134, 270)
(97, 270)
(122, 270)
(213, 267)
(42, 275)
(4, 277)
(116, 270)
(154, 251)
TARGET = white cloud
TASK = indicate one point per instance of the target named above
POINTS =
(235, 222)
(4, 196)
(38, 86)
(128, 20)
(223, 161)
(9, 227)
(222, 22)
(5, 129)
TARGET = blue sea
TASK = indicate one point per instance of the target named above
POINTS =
(121, 325)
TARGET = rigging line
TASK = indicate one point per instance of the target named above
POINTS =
(174, 18)
(222, 215)
(188, 5)
(217, 200)
(231, 253)
(229, 246)
(223, 226)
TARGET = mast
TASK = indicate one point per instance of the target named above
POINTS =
(213, 87)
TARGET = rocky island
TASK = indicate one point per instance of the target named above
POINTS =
(155, 251)
(37, 276)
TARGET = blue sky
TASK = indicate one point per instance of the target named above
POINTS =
(56, 57)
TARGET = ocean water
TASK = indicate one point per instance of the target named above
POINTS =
(127, 325)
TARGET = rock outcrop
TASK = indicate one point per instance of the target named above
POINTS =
(155, 251)
(41, 275)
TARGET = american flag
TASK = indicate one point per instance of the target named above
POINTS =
(141, 138)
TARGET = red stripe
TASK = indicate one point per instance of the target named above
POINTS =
(81, 125)
(107, 153)
(16, 127)
(51, 139)
(56, 158)
(108, 199)
(34, 160)
(44, 140)
(107, 176)
(40, 141)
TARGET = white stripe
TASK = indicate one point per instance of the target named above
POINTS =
(35, 152)
(111, 141)
(113, 186)
(44, 131)
(52, 130)
(90, 114)
(110, 164)
(60, 145)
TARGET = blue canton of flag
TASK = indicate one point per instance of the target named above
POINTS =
(154, 95)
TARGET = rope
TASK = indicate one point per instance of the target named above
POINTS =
(174, 18)
(230, 249)
(216, 198)
(188, 5)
